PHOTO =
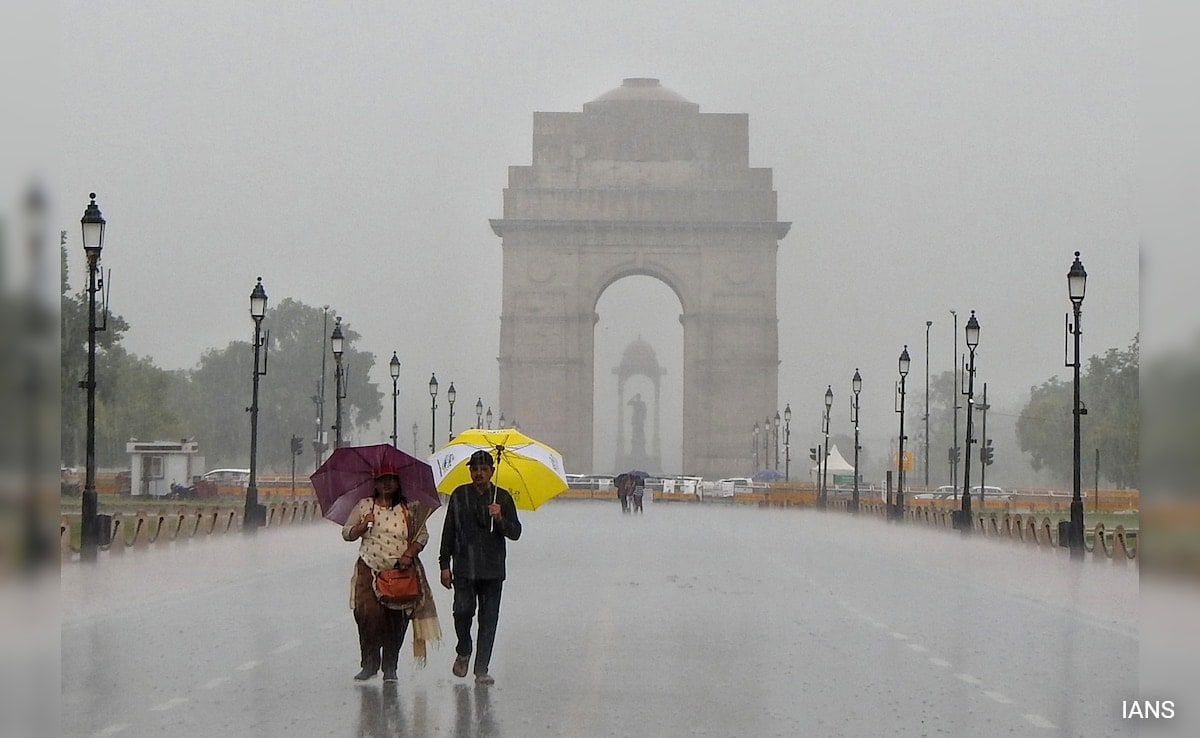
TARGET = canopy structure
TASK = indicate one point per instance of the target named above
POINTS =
(840, 471)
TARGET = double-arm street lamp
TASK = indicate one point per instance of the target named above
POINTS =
(251, 516)
(394, 370)
(824, 496)
(856, 386)
(478, 412)
(904, 363)
(1076, 286)
(972, 336)
(787, 442)
(433, 386)
(337, 344)
(450, 395)
(93, 242)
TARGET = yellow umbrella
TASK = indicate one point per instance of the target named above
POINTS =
(530, 470)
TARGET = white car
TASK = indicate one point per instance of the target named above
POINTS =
(227, 477)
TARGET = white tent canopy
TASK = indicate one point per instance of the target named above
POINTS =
(837, 464)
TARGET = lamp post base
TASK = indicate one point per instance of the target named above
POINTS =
(1078, 548)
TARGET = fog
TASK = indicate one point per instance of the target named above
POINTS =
(930, 157)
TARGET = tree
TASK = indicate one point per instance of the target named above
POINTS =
(222, 387)
(1109, 391)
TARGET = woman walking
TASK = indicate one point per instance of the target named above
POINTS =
(391, 533)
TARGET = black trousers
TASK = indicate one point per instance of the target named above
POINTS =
(484, 594)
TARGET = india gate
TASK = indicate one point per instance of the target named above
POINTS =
(641, 183)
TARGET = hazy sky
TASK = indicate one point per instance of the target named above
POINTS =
(930, 156)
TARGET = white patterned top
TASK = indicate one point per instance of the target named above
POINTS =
(382, 545)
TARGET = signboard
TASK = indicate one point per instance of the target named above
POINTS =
(908, 461)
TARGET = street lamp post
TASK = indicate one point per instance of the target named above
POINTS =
(394, 370)
(337, 344)
(856, 386)
(433, 386)
(1076, 286)
(755, 470)
(776, 440)
(319, 398)
(478, 412)
(93, 242)
(955, 456)
(824, 498)
(928, 325)
(972, 337)
(904, 364)
(450, 395)
(258, 308)
(415, 429)
(502, 422)
(488, 415)
(787, 442)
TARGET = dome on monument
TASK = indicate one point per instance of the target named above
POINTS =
(639, 358)
(642, 88)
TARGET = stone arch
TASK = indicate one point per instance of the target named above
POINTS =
(641, 183)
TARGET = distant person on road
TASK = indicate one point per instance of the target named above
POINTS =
(479, 517)
(639, 491)
(624, 487)
(391, 533)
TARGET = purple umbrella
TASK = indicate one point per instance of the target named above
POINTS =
(348, 475)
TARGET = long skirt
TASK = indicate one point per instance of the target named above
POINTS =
(380, 630)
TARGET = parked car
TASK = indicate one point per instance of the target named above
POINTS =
(990, 493)
(945, 492)
(227, 477)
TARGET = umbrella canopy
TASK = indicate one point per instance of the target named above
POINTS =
(530, 470)
(348, 475)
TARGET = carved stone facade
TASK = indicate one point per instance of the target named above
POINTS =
(641, 183)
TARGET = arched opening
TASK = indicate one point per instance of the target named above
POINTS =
(638, 417)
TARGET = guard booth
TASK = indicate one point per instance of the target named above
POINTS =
(155, 465)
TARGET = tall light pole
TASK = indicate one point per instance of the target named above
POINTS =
(972, 336)
(787, 442)
(319, 398)
(488, 415)
(478, 412)
(337, 344)
(1076, 286)
(414, 430)
(904, 363)
(824, 499)
(856, 386)
(251, 517)
(394, 370)
(755, 470)
(450, 395)
(433, 386)
(928, 325)
(93, 242)
(776, 440)
(502, 422)
(955, 454)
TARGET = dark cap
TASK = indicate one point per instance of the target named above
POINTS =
(481, 458)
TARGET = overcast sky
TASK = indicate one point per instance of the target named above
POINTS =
(931, 156)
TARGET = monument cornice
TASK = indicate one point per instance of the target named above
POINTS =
(505, 226)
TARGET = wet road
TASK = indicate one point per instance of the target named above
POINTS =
(688, 620)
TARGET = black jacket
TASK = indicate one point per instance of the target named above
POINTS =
(470, 542)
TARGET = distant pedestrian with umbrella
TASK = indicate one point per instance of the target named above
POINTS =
(382, 498)
(479, 517)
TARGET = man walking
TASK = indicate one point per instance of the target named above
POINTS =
(479, 517)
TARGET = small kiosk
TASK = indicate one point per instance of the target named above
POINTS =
(155, 465)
